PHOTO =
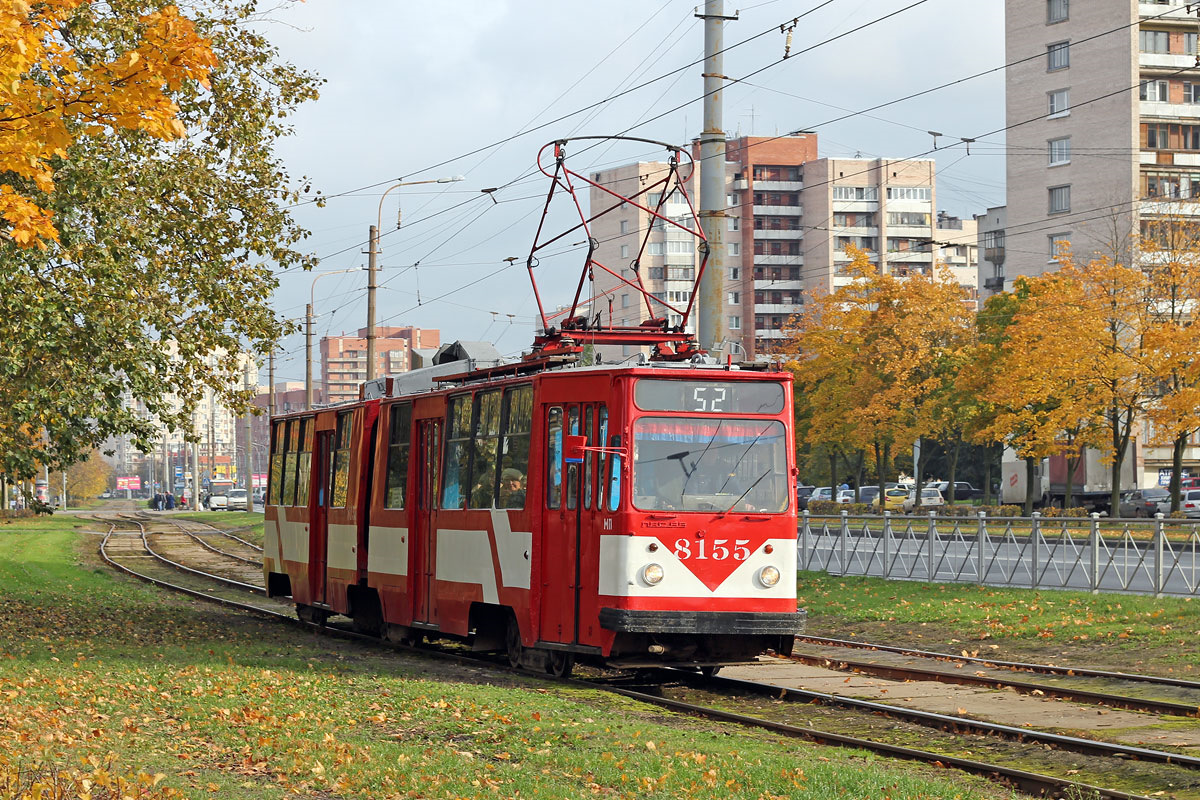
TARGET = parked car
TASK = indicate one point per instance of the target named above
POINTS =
(259, 496)
(803, 494)
(821, 493)
(930, 497)
(236, 500)
(962, 490)
(867, 494)
(1143, 502)
(893, 499)
(217, 502)
(1189, 503)
(845, 496)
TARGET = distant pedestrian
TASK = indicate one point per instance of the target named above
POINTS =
(170, 501)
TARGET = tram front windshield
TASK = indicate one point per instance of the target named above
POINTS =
(706, 464)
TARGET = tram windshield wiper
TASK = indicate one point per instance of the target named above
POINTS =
(748, 490)
(703, 453)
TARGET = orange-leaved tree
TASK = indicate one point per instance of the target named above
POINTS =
(50, 94)
(877, 356)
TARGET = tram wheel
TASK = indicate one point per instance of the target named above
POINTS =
(710, 671)
(315, 616)
(512, 642)
(559, 663)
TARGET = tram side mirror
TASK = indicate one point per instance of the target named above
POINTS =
(573, 449)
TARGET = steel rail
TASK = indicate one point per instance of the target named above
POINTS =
(1031, 782)
(196, 537)
(227, 533)
(901, 672)
(249, 587)
(1016, 666)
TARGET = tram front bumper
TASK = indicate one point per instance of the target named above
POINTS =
(730, 623)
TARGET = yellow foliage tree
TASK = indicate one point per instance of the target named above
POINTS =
(878, 356)
(85, 479)
(49, 95)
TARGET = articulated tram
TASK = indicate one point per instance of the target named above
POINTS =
(630, 515)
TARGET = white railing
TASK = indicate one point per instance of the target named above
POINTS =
(1157, 556)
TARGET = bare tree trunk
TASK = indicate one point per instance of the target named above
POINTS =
(859, 458)
(833, 481)
(1177, 468)
(987, 475)
(952, 463)
(1030, 489)
(1072, 462)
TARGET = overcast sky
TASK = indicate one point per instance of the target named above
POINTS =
(410, 85)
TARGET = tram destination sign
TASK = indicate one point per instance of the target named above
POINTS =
(711, 397)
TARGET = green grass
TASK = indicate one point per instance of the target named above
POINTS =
(106, 680)
(1133, 622)
(248, 525)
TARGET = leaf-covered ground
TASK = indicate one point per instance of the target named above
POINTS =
(108, 689)
(1110, 630)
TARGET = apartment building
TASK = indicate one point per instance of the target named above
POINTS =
(990, 226)
(344, 358)
(957, 250)
(1089, 160)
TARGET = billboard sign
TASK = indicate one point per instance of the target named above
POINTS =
(260, 480)
(131, 482)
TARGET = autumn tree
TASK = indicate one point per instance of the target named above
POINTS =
(1169, 250)
(159, 208)
(86, 478)
(1031, 366)
(877, 355)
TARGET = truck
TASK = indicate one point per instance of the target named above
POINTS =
(1090, 489)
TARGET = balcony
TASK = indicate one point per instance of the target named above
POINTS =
(770, 333)
(778, 186)
(740, 185)
(1170, 111)
(777, 233)
(994, 255)
(779, 285)
(781, 261)
(994, 284)
(1166, 61)
(1173, 12)
(784, 309)
(778, 211)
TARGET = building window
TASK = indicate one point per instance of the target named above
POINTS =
(735, 248)
(1060, 245)
(1060, 151)
(909, 193)
(1060, 199)
(735, 223)
(1058, 56)
(1189, 43)
(624, 251)
(1060, 102)
(734, 298)
(1156, 137)
(624, 301)
(735, 323)
(855, 193)
(1056, 11)
(624, 226)
(731, 201)
(1155, 91)
(1154, 41)
(735, 273)
(1191, 92)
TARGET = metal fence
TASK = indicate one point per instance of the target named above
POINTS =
(1157, 556)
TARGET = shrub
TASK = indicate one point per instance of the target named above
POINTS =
(823, 507)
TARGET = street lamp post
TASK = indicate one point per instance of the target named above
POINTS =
(308, 333)
(372, 253)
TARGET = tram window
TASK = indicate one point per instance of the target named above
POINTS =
(514, 452)
(458, 453)
(397, 458)
(278, 444)
(589, 457)
(304, 461)
(602, 437)
(341, 459)
(614, 476)
(292, 444)
(554, 434)
(486, 441)
(573, 469)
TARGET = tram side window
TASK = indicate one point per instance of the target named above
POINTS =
(397, 458)
(486, 442)
(278, 446)
(602, 437)
(341, 459)
(514, 451)
(304, 461)
(289, 463)
(573, 469)
(554, 434)
(458, 453)
(589, 457)
(614, 476)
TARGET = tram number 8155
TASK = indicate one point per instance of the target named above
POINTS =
(719, 551)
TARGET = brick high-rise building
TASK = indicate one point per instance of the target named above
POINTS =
(344, 358)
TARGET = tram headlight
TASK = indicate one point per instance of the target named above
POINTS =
(652, 574)
(768, 576)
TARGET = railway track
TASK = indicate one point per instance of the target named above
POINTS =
(1148, 693)
(128, 540)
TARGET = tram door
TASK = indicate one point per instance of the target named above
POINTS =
(423, 536)
(570, 517)
(320, 516)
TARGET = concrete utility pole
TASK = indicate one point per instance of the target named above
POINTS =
(308, 323)
(371, 286)
(711, 328)
(271, 384)
(249, 445)
(195, 476)
(168, 485)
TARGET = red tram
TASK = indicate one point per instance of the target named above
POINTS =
(629, 514)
